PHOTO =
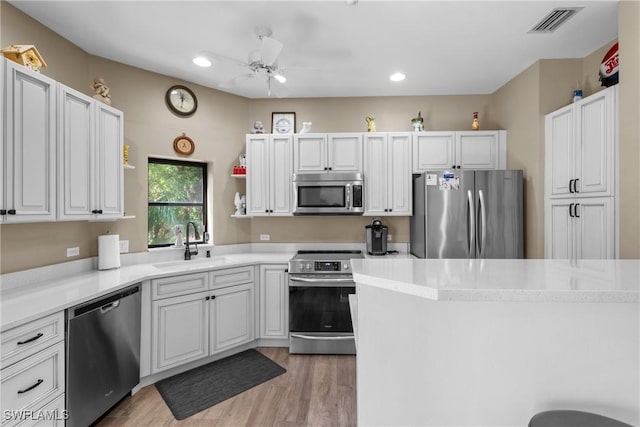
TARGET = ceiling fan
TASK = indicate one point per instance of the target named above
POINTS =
(261, 62)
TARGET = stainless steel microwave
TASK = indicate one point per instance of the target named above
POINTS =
(328, 194)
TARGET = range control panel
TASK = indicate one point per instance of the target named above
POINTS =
(327, 266)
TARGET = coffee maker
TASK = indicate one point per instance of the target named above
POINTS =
(376, 237)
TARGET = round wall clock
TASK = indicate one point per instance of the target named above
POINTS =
(181, 100)
(184, 145)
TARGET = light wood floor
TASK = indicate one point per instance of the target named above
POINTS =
(315, 391)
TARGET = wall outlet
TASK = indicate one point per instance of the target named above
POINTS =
(265, 237)
(389, 237)
(124, 246)
(73, 251)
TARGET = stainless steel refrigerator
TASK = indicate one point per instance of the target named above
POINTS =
(467, 214)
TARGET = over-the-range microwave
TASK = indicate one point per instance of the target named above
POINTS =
(333, 193)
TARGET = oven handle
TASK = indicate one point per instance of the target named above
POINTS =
(323, 338)
(327, 282)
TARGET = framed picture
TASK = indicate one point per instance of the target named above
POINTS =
(282, 123)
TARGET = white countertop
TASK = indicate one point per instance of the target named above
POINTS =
(505, 280)
(25, 303)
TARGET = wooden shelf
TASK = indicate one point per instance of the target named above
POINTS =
(242, 176)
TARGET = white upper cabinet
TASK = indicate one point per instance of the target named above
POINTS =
(334, 152)
(90, 136)
(580, 147)
(387, 169)
(29, 187)
(109, 144)
(459, 150)
(269, 169)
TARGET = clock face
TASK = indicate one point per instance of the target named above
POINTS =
(283, 125)
(181, 100)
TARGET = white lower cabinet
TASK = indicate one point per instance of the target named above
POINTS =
(180, 329)
(200, 323)
(231, 317)
(580, 228)
(274, 302)
(33, 380)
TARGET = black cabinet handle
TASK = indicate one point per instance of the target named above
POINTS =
(575, 185)
(570, 209)
(11, 211)
(3, 211)
(40, 381)
(40, 335)
(571, 181)
(213, 297)
(207, 298)
(575, 210)
(286, 270)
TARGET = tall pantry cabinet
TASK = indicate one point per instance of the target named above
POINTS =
(581, 148)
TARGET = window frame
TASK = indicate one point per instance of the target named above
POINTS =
(177, 162)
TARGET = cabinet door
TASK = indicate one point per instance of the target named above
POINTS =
(433, 150)
(30, 150)
(281, 160)
(594, 228)
(398, 176)
(310, 153)
(257, 148)
(559, 151)
(559, 229)
(76, 155)
(595, 136)
(375, 172)
(274, 302)
(344, 151)
(109, 142)
(477, 149)
(231, 317)
(180, 331)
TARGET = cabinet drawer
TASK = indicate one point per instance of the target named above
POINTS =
(25, 340)
(30, 383)
(179, 285)
(52, 414)
(231, 276)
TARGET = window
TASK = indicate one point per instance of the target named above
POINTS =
(177, 195)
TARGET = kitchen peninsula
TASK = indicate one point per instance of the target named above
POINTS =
(492, 342)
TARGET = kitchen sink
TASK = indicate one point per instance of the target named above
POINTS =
(194, 263)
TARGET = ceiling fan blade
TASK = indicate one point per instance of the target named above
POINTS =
(218, 57)
(280, 90)
(270, 50)
(236, 81)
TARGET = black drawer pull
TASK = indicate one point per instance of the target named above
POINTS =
(32, 387)
(40, 334)
(11, 211)
(3, 211)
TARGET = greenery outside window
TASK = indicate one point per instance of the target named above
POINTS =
(177, 195)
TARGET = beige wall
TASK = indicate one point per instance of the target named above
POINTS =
(219, 126)
(629, 107)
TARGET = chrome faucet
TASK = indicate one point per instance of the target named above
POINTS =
(188, 252)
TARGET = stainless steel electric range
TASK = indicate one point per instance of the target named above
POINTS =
(319, 317)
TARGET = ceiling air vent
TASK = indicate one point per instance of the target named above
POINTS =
(555, 19)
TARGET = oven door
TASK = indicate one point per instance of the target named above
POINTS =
(319, 314)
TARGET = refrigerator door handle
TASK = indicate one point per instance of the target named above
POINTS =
(483, 229)
(471, 221)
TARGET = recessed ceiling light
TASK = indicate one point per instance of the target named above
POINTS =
(397, 77)
(202, 61)
(280, 78)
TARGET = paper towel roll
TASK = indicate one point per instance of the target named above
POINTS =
(108, 251)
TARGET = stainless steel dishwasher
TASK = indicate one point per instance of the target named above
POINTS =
(103, 354)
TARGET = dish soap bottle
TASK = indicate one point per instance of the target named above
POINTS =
(475, 124)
